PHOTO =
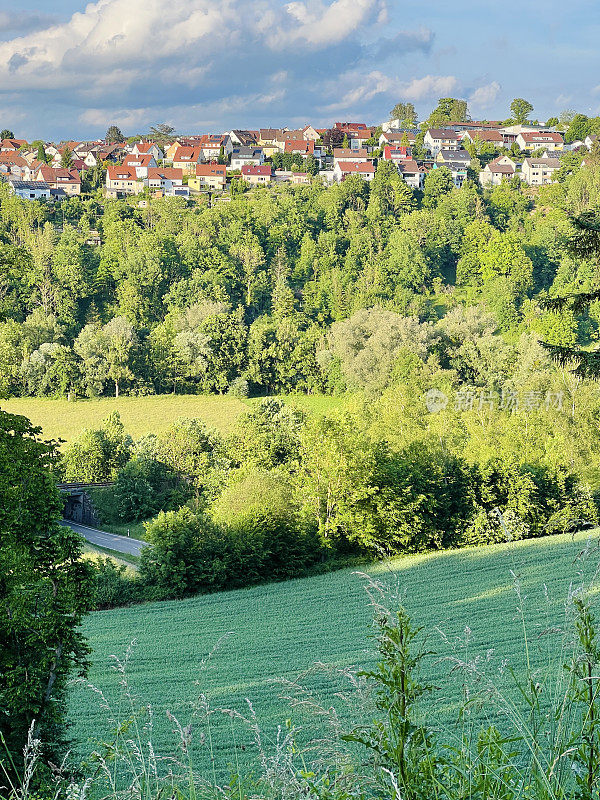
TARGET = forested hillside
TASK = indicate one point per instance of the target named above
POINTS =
(291, 289)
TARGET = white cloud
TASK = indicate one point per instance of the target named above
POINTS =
(364, 88)
(320, 24)
(485, 96)
(115, 34)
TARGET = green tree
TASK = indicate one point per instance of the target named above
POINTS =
(520, 110)
(45, 590)
(113, 134)
(449, 109)
(579, 127)
(171, 565)
(66, 159)
(42, 156)
(6, 133)
(98, 455)
(438, 182)
(406, 114)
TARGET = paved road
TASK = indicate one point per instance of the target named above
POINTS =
(122, 544)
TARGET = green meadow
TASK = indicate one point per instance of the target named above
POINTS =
(62, 419)
(281, 630)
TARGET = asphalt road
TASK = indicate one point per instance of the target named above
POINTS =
(122, 544)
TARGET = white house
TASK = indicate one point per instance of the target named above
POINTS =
(243, 156)
(538, 171)
(411, 172)
(498, 170)
(343, 169)
(437, 139)
(148, 148)
(141, 164)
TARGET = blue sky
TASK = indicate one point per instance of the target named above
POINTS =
(70, 68)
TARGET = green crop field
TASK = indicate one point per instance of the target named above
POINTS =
(280, 630)
(60, 419)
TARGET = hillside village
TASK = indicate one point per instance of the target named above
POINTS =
(184, 166)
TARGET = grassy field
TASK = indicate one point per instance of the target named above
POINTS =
(280, 630)
(60, 419)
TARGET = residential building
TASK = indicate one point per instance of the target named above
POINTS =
(164, 179)
(590, 140)
(398, 153)
(121, 180)
(343, 169)
(310, 133)
(11, 162)
(242, 156)
(411, 172)
(141, 164)
(395, 138)
(243, 138)
(539, 171)
(209, 176)
(300, 147)
(533, 140)
(486, 135)
(498, 170)
(29, 190)
(455, 156)
(187, 159)
(257, 174)
(348, 154)
(11, 145)
(69, 180)
(458, 170)
(437, 139)
(148, 148)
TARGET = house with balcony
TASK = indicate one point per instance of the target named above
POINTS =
(437, 139)
(539, 171)
(533, 140)
(122, 180)
(209, 177)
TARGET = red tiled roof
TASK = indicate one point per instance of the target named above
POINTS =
(169, 173)
(259, 169)
(300, 145)
(352, 166)
(139, 161)
(188, 154)
(206, 170)
(117, 173)
(347, 152)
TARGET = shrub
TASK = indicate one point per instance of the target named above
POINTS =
(113, 585)
(239, 387)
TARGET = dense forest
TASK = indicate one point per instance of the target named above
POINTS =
(289, 289)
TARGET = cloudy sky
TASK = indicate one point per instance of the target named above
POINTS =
(68, 68)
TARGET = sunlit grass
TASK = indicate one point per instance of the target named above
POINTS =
(60, 419)
(280, 630)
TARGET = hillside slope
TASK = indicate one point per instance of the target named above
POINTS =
(279, 630)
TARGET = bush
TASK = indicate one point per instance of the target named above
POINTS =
(239, 387)
(113, 585)
(191, 553)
